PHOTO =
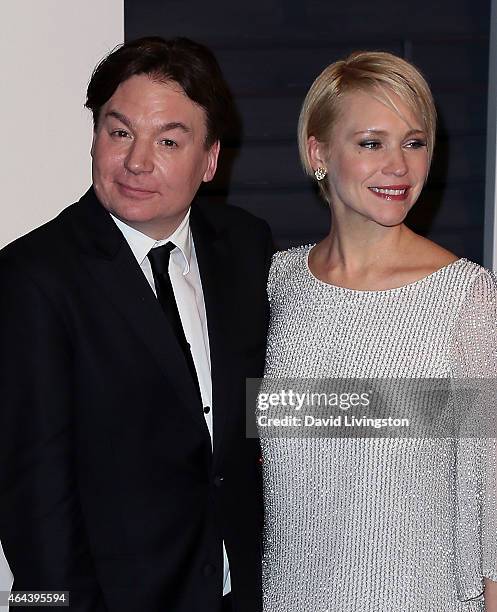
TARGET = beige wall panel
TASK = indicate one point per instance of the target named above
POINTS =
(48, 49)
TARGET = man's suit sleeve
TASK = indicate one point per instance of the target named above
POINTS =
(41, 524)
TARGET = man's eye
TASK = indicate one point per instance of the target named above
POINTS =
(416, 144)
(370, 144)
(119, 133)
(168, 143)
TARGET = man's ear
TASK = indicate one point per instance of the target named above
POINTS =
(316, 153)
(212, 157)
(92, 149)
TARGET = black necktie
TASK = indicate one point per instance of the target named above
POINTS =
(159, 260)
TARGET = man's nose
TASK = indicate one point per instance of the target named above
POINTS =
(395, 163)
(139, 158)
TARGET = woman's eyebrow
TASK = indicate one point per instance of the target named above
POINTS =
(384, 133)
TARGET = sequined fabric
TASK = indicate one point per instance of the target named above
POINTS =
(377, 525)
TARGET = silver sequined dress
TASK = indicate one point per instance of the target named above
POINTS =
(379, 525)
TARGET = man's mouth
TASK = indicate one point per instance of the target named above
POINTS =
(137, 192)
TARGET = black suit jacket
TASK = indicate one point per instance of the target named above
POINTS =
(108, 485)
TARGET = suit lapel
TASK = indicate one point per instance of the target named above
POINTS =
(215, 259)
(110, 262)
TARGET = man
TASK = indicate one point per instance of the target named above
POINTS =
(128, 326)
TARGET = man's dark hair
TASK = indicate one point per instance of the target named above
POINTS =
(188, 63)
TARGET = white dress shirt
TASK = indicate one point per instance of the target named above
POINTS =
(187, 288)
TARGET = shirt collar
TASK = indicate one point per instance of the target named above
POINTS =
(140, 243)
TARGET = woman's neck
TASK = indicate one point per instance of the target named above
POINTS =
(362, 248)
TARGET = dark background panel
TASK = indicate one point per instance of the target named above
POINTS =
(271, 51)
(280, 69)
(306, 20)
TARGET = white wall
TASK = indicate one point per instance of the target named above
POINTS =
(490, 241)
(48, 49)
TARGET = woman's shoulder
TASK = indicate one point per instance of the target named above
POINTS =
(287, 264)
(290, 257)
(480, 283)
(471, 275)
(433, 259)
(468, 282)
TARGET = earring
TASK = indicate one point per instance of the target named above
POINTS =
(320, 173)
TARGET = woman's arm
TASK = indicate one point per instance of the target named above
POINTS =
(475, 363)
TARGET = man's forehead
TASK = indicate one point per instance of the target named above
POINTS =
(143, 94)
(143, 87)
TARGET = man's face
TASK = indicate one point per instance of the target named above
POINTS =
(149, 154)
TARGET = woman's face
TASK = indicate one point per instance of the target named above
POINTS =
(377, 159)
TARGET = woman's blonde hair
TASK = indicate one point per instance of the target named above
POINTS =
(375, 72)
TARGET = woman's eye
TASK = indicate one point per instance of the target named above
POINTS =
(370, 144)
(416, 144)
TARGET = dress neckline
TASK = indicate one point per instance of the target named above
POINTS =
(393, 290)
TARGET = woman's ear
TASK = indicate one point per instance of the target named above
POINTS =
(316, 153)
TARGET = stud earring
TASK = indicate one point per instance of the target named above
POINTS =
(320, 173)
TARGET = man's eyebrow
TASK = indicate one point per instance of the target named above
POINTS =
(163, 127)
(174, 125)
(120, 117)
(384, 133)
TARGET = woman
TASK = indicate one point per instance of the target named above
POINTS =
(377, 524)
